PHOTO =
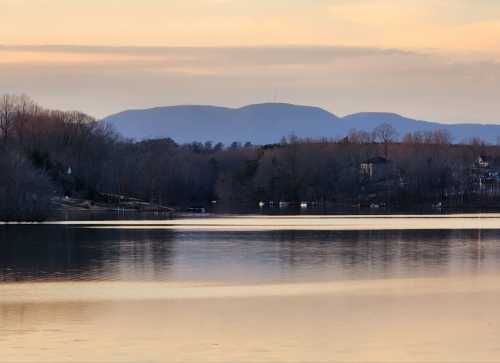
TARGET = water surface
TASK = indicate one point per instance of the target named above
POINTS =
(309, 288)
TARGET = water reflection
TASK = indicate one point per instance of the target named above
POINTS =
(55, 252)
(31, 252)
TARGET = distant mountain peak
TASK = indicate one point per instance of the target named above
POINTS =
(280, 105)
(373, 113)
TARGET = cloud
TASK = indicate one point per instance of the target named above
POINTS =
(266, 55)
(103, 80)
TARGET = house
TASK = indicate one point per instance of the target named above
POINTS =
(380, 180)
(482, 162)
(486, 176)
(489, 183)
(375, 168)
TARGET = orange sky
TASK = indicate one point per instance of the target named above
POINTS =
(443, 24)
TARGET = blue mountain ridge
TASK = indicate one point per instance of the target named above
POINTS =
(268, 122)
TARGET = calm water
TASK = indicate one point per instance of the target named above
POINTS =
(252, 289)
(174, 251)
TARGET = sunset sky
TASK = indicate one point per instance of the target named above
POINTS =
(429, 59)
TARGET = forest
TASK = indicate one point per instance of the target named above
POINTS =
(49, 154)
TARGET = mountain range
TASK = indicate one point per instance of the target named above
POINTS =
(267, 123)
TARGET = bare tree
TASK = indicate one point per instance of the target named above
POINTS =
(25, 192)
(442, 137)
(385, 134)
(7, 114)
(436, 137)
(359, 137)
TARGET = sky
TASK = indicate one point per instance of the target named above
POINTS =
(428, 59)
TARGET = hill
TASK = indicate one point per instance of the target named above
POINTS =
(268, 122)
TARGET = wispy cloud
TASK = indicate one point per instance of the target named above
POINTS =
(102, 80)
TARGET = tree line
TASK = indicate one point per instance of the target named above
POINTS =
(47, 153)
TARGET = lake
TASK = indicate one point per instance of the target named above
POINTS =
(399, 288)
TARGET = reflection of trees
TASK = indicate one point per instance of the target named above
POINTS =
(422, 251)
(411, 252)
(68, 253)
